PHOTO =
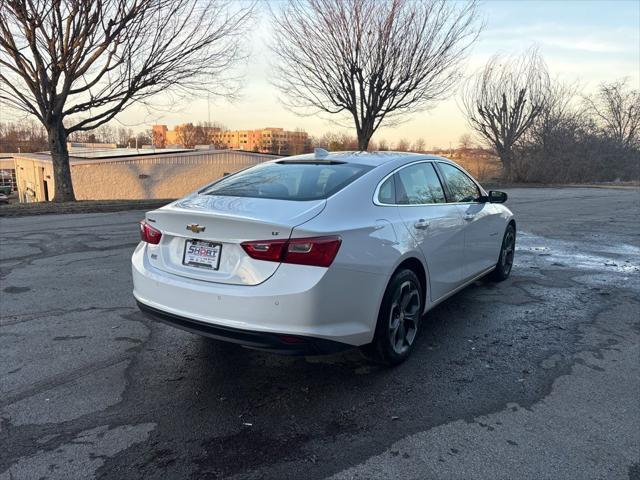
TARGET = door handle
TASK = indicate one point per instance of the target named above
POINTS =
(421, 224)
(469, 216)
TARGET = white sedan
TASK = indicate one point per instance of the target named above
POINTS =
(321, 252)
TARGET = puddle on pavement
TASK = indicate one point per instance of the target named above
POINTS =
(621, 258)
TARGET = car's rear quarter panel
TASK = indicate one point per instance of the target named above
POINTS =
(372, 243)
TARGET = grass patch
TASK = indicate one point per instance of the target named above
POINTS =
(82, 206)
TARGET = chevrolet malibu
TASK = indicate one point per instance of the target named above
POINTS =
(320, 252)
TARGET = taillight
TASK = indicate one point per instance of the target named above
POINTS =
(314, 251)
(269, 250)
(317, 251)
(149, 234)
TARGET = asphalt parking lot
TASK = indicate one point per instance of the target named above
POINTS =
(537, 377)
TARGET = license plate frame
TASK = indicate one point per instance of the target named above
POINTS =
(198, 242)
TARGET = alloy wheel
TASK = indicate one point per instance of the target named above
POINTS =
(404, 316)
(508, 250)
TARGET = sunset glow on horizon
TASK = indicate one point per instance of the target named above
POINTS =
(583, 42)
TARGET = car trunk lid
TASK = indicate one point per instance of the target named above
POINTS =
(223, 223)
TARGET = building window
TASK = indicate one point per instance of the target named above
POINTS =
(8, 179)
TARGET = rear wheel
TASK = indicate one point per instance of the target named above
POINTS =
(507, 252)
(398, 320)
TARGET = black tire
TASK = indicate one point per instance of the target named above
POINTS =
(398, 320)
(507, 253)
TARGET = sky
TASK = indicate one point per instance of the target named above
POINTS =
(581, 41)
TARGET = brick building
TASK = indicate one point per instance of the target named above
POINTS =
(266, 140)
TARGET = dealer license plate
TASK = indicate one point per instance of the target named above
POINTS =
(203, 254)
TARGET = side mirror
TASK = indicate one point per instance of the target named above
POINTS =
(497, 197)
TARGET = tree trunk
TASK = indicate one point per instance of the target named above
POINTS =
(60, 159)
(507, 164)
(364, 135)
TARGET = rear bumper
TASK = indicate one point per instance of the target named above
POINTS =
(272, 342)
(335, 304)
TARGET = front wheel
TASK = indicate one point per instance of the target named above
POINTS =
(507, 252)
(398, 319)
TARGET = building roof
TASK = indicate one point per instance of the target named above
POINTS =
(132, 154)
(87, 153)
(160, 155)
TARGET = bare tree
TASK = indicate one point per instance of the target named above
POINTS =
(75, 64)
(419, 145)
(200, 135)
(570, 144)
(107, 133)
(124, 136)
(22, 136)
(503, 100)
(403, 145)
(298, 143)
(186, 135)
(617, 108)
(212, 131)
(373, 61)
(336, 141)
(144, 138)
(465, 141)
(158, 139)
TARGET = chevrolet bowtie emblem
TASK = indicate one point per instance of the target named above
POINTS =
(195, 228)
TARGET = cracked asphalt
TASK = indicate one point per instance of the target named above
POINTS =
(537, 377)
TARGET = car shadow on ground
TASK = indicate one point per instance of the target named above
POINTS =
(239, 410)
(233, 359)
(263, 381)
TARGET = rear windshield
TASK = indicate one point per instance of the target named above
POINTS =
(288, 180)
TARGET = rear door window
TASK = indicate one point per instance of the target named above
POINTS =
(418, 184)
(289, 180)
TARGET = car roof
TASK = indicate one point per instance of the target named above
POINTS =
(363, 158)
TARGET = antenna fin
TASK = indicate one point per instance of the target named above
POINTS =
(320, 153)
